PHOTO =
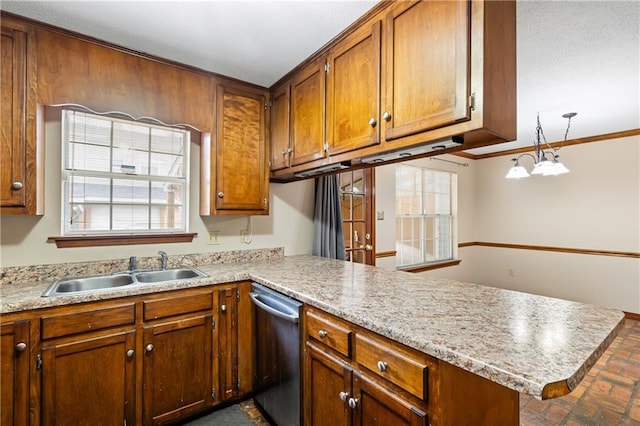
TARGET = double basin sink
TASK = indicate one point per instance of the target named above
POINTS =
(72, 285)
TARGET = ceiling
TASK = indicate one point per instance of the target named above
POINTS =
(572, 56)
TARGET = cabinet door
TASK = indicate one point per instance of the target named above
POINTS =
(228, 342)
(14, 373)
(427, 66)
(89, 381)
(280, 151)
(376, 405)
(177, 369)
(327, 388)
(353, 91)
(241, 162)
(307, 114)
(19, 189)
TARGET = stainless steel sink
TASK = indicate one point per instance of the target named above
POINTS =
(167, 275)
(72, 285)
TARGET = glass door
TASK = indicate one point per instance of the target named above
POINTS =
(356, 195)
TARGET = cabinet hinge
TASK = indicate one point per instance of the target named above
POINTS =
(213, 393)
(213, 323)
(238, 385)
(238, 291)
(267, 105)
(472, 102)
(39, 362)
(327, 67)
(326, 147)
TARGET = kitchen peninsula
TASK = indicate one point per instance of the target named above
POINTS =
(463, 333)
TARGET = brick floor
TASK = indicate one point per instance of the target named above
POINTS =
(608, 395)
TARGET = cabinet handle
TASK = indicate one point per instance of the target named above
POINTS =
(372, 122)
(343, 396)
(21, 347)
(130, 353)
(220, 194)
(322, 334)
(382, 366)
(16, 185)
(353, 403)
(149, 347)
(223, 308)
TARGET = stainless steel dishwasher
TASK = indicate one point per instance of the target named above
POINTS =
(278, 389)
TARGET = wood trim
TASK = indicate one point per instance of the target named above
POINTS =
(576, 141)
(121, 240)
(385, 254)
(573, 250)
(423, 268)
(631, 316)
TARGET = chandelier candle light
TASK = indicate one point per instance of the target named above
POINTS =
(545, 162)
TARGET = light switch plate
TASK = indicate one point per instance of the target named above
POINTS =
(214, 238)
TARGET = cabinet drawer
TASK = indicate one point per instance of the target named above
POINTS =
(329, 332)
(392, 363)
(88, 320)
(171, 306)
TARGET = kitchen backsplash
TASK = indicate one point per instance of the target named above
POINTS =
(51, 272)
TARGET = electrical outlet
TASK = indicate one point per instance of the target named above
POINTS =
(380, 215)
(214, 238)
(511, 272)
(244, 236)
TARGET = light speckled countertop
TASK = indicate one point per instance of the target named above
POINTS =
(522, 341)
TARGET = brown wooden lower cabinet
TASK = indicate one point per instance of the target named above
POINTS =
(89, 380)
(177, 363)
(14, 373)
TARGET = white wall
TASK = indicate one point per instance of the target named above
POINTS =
(595, 206)
(289, 223)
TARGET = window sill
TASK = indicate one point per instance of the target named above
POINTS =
(430, 266)
(121, 240)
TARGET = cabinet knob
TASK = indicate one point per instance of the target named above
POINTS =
(220, 194)
(372, 122)
(130, 353)
(353, 403)
(16, 185)
(386, 116)
(149, 347)
(343, 396)
(223, 308)
(382, 366)
(323, 333)
(290, 150)
(284, 152)
(21, 347)
(368, 247)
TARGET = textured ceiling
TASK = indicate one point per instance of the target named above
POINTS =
(572, 56)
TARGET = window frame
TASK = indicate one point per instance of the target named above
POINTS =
(113, 236)
(424, 265)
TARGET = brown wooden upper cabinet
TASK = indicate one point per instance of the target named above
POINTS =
(234, 166)
(21, 183)
(353, 91)
(427, 66)
(307, 114)
(280, 118)
(406, 74)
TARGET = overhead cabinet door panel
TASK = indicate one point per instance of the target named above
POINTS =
(427, 66)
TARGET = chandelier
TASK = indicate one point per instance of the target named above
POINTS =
(545, 160)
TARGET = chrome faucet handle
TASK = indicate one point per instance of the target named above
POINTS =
(133, 263)
(163, 259)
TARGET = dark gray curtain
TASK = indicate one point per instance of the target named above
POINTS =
(328, 237)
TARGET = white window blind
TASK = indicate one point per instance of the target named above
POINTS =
(425, 215)
(122, 177)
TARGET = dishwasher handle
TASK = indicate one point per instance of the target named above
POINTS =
(291, 316)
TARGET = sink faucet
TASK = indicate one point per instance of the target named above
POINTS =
(163, 260)
(133, 263)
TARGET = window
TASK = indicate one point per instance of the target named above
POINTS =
(122, 177)
(425, 215)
